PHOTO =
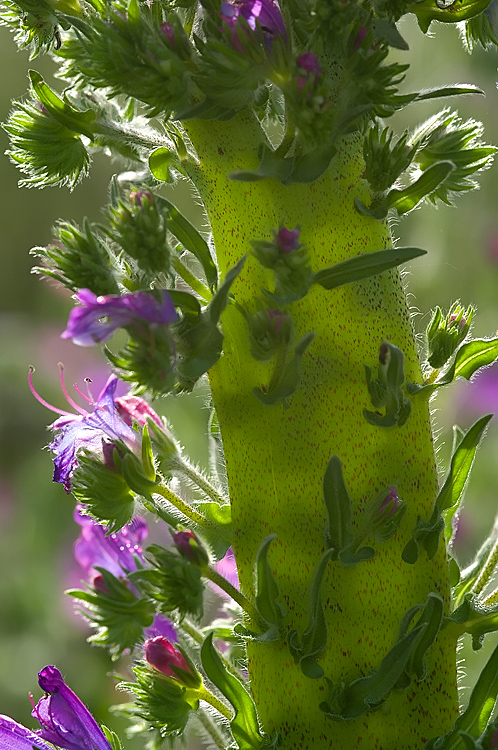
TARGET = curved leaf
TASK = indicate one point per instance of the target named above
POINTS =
(364, 266)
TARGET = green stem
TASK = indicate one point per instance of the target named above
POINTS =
(487, 571)
(200, 481)
(190, 279)
(205, 695)
(180, 505)
(142, 139)
(211, 728)
(235, 594)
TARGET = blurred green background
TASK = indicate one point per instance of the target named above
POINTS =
(37, 623)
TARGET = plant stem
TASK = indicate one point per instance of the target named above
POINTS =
(487, 570)
(206, 695)
(190, 279)
(180, 505)
(200, 481)
(215, 577)
(144, 139)
(212, 729)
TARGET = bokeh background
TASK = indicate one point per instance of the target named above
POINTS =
(37, 623)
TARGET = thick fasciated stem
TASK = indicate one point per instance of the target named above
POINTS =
(276, 457)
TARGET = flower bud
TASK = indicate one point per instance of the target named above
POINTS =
(445, 334)
(288, 259)
(309, 70)
(268, 331)
(189, 546)
(170, 661)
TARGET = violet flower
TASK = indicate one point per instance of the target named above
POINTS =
(118, 553)
(87, 429)
(263, 13)
(99, 317)
(14, 736)
(65, 720)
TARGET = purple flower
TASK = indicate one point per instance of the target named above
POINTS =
(115, 552)
(86, 429)
(287, 240)
(263, 13)
(65, 720)
(14, 736)
(99, 317)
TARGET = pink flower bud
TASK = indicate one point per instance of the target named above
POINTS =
(135, 409)
(391, 502)
(163, 656)
(190, 547)
(287, 240)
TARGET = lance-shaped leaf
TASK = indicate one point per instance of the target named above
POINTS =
(426, 533)
(267, 592)
(308, 647)
(476, 716)
(364, 266)
(244, 725)
(71, 118)
(470, 357)
(368, 693)
(289, 377)
(338, 532)
(470, 575)
(431, 617)
(191, 240)
(160, 162)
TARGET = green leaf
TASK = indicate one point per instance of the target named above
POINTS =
(244, 725)
(387, 389)
(160, 162)
(439, 92)
(311, 645)
(473, 618)
(453, 489)
(267, 591)
(71, 118)
(426, 533)
(432, 617)
(364, 266)
(368, 693)
(407, 199)
(475, 718)
(191, 240)
(338, 532)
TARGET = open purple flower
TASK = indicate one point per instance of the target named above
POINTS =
(87, 429)
(99, 317)
(14, 736)
(263, 13)
(65, 720)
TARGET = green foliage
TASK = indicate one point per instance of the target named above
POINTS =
(444, 335)
(286, 375)
(244, 725)
(365, 266)
(115, 612)
(426, 533)
(79, 259)
(310, 645)
(162, 701)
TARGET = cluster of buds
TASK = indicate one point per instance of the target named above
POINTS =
(287, 257)
(446, 333)
(269, 331)
(140, 229)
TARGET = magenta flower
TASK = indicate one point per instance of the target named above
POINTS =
(163, 656)
(14, 736)
(65, 720)
(99, 317)
(87, 429)
(287, 240)
(263, 13)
